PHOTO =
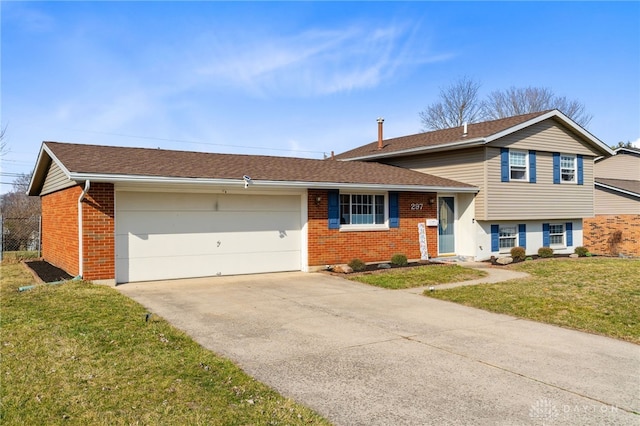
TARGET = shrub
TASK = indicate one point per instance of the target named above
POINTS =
(357, 265)
(545, 252)
(582, 251)
(399, 259)
(518, 253)
(528, 258)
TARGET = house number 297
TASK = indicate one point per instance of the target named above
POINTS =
(416, 206)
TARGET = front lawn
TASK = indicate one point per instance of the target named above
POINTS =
(596, 295)
(79, 353)
(418, 276)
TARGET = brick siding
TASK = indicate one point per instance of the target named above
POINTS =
(331, 246)
(60, 231)
(98, 225)
(600, 234)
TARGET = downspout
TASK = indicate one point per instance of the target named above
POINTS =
(87, 185)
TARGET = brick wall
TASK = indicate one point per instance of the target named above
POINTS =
(60, 229)
(601, 234)
(99, 232)
(331, 246)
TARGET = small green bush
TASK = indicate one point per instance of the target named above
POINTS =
(582, 251)
(399, 259)
(518, 253)
(357, 265)
(528, 258)
(545, 252)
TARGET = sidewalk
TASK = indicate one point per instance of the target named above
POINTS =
(495, 275)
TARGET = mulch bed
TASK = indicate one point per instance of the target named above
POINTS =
(47, 272)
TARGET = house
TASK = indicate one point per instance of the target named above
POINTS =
(535, 175)
(120, 214)
(616, 227)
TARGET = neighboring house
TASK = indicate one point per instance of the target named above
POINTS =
(616, 227)
(535, 173)
(133, 214)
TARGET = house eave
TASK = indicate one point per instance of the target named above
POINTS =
(44, 160)
(267, 184)
(421, 150)
(613, 188)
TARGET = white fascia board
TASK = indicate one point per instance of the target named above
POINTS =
(265, 183)
(613, 188)
(422, 149)
(566, 120)
(39, 168)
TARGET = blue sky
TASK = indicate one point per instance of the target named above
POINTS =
(295, 78)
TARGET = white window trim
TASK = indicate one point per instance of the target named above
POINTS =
(575, 169)
(514, 238)
(564, 236)
(366, 226)
(526, 166)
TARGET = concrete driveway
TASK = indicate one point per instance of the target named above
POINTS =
(360, 355)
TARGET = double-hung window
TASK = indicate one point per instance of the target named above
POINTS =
(362, 209)
(517, 165)
(556, 234)
(507, 236)
(567, 168)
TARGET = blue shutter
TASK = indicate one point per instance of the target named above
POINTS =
(556, 168)
(504, 164)
(394, 210)
(532, 167)
(546, 241)
(334, 208)
(495, 240)
(568, 227)
(580, 170)
(522, 235)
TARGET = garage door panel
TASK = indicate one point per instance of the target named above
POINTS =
(145, 245)
(173, 222)
(134, 201)
(167, 236)
(164, 268)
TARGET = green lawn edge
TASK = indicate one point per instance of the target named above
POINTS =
(80, 353)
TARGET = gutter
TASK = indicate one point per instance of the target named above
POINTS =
(87, 185)
(240, 183)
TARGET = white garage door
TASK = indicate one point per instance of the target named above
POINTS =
(175, 235)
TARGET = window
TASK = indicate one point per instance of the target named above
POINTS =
(556, 234)
(567, 168)
(507, 236)
(362, 209)
(517, 165)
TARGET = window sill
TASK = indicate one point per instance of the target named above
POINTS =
(367, 228)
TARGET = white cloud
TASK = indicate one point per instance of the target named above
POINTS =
(316, 62)
(636, 143)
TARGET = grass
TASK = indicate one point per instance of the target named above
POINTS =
(19, 255)
(418, 276)
(597, 295)
(79, 353)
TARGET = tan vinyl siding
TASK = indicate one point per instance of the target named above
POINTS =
(464, 166)
(55, 180)
(611, 203)
(548, 136)
(543, 200)
(620, 166)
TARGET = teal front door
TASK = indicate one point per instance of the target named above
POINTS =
(446, 216)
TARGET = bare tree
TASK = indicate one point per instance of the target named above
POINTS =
(459, 103)
(517, 101)
(3, 143)
(21, 214)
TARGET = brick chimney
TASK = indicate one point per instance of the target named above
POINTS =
(380, 121)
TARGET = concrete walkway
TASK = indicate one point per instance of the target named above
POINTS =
(362, 355)
(494, 275)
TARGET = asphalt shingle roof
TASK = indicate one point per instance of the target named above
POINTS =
(110, 160)
(438, 137)
(625, 185)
